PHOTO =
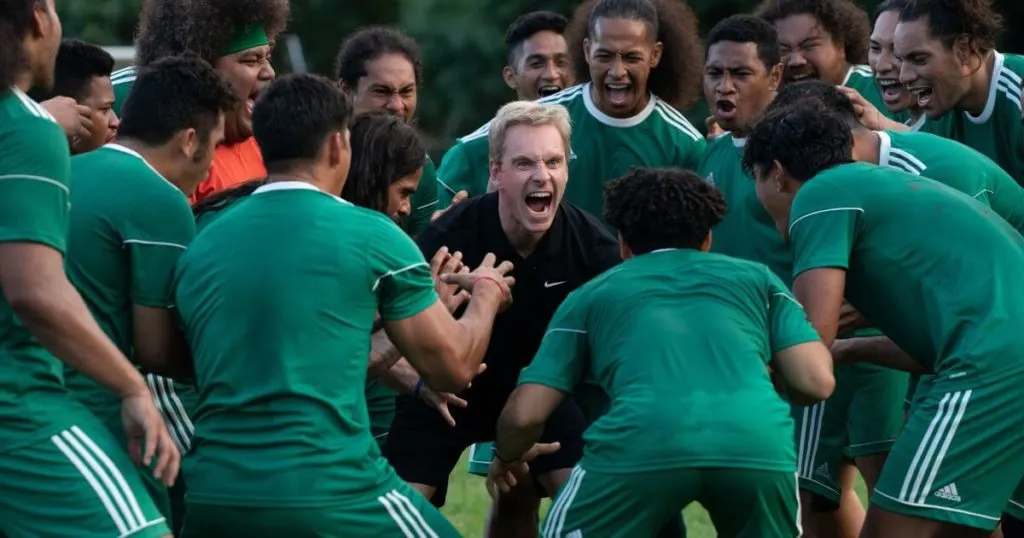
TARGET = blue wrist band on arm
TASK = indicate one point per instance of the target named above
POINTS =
(419, 387)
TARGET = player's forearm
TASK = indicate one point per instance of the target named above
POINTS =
(878, 350)
(383, 356)
(514, 435)
(475, 327)
(401, 377)
(59, 319)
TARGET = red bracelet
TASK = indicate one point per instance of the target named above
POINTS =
(501, 286)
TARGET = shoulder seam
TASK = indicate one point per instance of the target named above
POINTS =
(680, 123)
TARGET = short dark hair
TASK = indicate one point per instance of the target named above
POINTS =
(887, 5)
(78, 63)
(846, 22)
(749, 29)
(173, 94)
(655, 208)
(804, 137)
(371, 43)
(822, 93)
(292, 117)
(950, 19)
(384, 149)
(170, 27)
(678, 78)
(16, 21)
(526, 26)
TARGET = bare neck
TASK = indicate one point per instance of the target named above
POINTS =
(866, 146)
(981, 82)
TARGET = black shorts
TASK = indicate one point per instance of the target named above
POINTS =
(424, 449)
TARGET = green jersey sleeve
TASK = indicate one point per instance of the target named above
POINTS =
(788, 323)
(822, 227)
(464, 168)
(155, 237)
(35, 170)
(564, 350)
(424, 202)
(400, 275)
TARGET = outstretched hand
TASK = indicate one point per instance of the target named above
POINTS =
(502, 476)
(486, 274)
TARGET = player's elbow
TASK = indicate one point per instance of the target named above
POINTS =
(32, 302)
(451, 371)
(807, 372)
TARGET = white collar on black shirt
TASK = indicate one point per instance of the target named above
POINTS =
(295, 185)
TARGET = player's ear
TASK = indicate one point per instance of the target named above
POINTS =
(586, 49)
(624, 251)
(775, 77)
(187, 141)
(494, 167)
(335, 147)
(777, 176)
(509, 75)
(963, 48)
(656, 54)
(706, 245)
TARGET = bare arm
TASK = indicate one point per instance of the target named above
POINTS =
(878, 350)
(160, 346)
(384, 357)
(806, 372)
(522, 420)
(34, 284)
(820, 291)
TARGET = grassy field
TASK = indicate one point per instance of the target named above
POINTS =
(468, 504)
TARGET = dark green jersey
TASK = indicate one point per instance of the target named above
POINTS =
(278, 297)
(747, 231)
(424, 202)
(956, 165)
(128, 229)
(997, 132)
(602, 149)
(682, 356)
(123, 80)
(933, 269)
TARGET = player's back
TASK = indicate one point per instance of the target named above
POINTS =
(680, 341)
(997, 131)
(278, 297)
(747, 231)
(935, 270)
(956, 165)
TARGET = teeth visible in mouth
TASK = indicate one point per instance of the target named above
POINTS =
(618, 86)
(538, 196)
(550, 89)
(887, 83)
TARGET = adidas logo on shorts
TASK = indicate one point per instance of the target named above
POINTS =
(823, 470)
(949, 493)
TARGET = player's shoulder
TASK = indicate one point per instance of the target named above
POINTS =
(859, 74)
(680, 128)
(564, 98)
(125, 75)
(1008, 82)
(19, 112)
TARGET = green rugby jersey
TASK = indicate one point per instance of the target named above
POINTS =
(707, 334)
(997, 132)
(123, 80)
(424, 202)
(278, 311)
(128, 228)
(602, 149)
(956, 165)
(913, 250)
(34, 207)
(860, 78)
(747, 231)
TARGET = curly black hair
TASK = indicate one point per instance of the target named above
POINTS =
(744, 28)
(678, 78)
(384, 150)
(169, 27)
(820, 92)
(173, 94)
(369, 44)
(844, 20)
(221, 200)
(656, 208)
(77, 64)
(16, 20)
(804, 137)
(526, 26)
(950, 19)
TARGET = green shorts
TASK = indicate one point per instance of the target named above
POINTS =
(862, 418)
(394, 511)
(78, 482)
(742, 503)
(958, 460)
(480, 456)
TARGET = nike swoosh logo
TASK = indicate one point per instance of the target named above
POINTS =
(553, 284)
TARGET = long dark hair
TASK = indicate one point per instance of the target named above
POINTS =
(220, 200)
(384, 149)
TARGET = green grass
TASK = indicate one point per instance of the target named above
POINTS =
(468, 504)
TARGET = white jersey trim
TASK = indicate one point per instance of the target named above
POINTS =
(993, 89)
(295, 186)
(128, 151)
(676, 119)
(652, 101)
(821, 211)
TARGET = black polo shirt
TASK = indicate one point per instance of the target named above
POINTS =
(575, 249)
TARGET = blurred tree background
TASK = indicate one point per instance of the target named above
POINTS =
(462, 42)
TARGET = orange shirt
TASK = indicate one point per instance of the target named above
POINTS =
(232, 166)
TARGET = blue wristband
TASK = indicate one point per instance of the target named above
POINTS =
(419, 387)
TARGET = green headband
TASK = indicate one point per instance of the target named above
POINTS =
(246, 38)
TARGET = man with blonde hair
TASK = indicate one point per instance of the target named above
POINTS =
(555, 247)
